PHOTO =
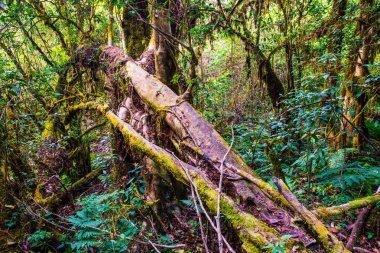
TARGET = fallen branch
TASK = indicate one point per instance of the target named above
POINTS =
(204, 239)
(194, 189)
(329, 242)
(217, 217)
(358, 225)
(55, 199)
(326, 212)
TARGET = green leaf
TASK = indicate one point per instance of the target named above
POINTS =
(286, 237)
(57, 95)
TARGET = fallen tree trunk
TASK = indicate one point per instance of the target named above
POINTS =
(253, 233)
(195, 134)
(251, 206)
(358, 226)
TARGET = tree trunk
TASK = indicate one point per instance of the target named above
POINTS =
(289, 66)
(200, 151)
(266, 73)
(135, 31)
(163, 54)
(355, 96)
(335, 41)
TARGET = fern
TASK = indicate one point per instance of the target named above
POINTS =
(338, 159)
(362, 173)
(38, 239)
(349, 177)
(83, 245)
(107, 221)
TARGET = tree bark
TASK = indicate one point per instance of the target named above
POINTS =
(135, 31)
(163, 53)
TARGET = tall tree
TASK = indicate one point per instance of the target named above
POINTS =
(355, 85)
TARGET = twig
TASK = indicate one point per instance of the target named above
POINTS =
(30, 211)
(201, 203)
(149, 241)
(154, 247)
(217, 217)
(361, 250)
(199, 219)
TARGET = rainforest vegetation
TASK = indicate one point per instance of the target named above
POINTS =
(190, 126)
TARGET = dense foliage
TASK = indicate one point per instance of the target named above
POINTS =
(294, 85)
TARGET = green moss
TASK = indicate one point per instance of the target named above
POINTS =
(84, 180)
(161, 158)
(49, 128)
(38, 195)
(322, 234)
(177, 147)
(51, 201)
(254, 242)
(253, 233)
(325, 212)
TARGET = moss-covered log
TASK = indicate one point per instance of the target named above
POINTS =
(253, 233)
(326, 212)
(194, 131)
(54, 200)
